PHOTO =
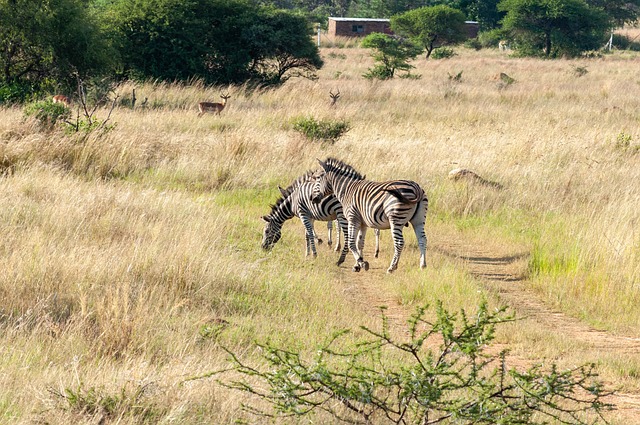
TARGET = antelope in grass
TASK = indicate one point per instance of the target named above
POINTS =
(60, 98)
(216, 108)
(334, 97)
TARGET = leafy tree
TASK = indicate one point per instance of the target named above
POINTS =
(620, 11)
(485, 12)
(280, 48)
(218, 41)
(48, 42)
(418, 381)
(390, 53)
(431, 26)
(554, 27)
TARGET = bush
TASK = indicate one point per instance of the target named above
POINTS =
(385, 380)
(327, 131)
(443, 53)
(473, 43)
(15, 93)
(47, 113)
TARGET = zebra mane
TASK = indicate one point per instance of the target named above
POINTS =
(341, 168)
(289, 190)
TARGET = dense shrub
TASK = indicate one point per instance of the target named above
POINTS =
(443, 53)
(320, 130)
(47, 113)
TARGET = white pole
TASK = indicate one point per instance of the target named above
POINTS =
(611, 41)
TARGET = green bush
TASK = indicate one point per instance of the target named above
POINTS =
(473, 43)
(15, 93)
(47, 113)
(412, 381)
(320, 130)
(443, 53)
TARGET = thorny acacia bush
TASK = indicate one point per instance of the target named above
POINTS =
(320, 130)
(384, 380)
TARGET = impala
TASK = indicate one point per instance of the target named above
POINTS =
(216, 108)
(59, 98)
(334, 97)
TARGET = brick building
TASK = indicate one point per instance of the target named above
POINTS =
(359, 27)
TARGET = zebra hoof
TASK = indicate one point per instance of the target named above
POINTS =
(375, 255)
(329, 243)
(319, 241)
(356, 268)
(365, 264)
(339, 263)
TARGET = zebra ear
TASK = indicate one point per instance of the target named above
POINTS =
(266, 218)
(282, 191)
(322, 164)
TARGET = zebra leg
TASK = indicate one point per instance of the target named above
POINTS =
(351, 242)
(310, 234)
(343, 227)
(361, 236)
(418, 222)
(329, 232)
(377, 232)
(398, 245)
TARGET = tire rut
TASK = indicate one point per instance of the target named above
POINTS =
(504, 275)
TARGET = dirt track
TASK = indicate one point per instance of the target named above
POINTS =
(503, 273)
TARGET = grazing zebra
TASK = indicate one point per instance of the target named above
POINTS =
(317, 239)
(296, 201)
(380, 205)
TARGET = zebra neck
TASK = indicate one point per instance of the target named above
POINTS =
(282, 212)
(340, 184)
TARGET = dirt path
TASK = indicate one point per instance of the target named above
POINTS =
(503, 273)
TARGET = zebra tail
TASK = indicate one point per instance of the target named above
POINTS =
(401, 197)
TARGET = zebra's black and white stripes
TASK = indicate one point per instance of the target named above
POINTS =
(296, 201)
(379, 205)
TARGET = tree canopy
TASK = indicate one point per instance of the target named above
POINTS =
(390, 53)
(48, 42)
(555, 27)
(218, 41)
(429, 26)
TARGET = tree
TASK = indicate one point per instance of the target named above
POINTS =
(280, 48)
(391, 54)
(218, 41)
(554, 27)
(485, 12)
(418, 381)
(428, 26)
(49, 42)
(620, 11)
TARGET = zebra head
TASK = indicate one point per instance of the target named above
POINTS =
(271, 234)
(321, 187)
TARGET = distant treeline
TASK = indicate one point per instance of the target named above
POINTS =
(50, 45)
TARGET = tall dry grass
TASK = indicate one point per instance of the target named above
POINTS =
(129, 256)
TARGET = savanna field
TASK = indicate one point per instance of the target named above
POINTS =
(130, 258)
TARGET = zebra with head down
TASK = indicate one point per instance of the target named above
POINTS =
(296, 201)
(379, 205)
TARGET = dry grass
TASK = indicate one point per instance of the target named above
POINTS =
(120, 253)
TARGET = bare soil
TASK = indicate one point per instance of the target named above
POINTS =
(502, 273)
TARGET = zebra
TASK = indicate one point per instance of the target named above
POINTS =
(316, 238)
(380, 205)
(296, 201)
